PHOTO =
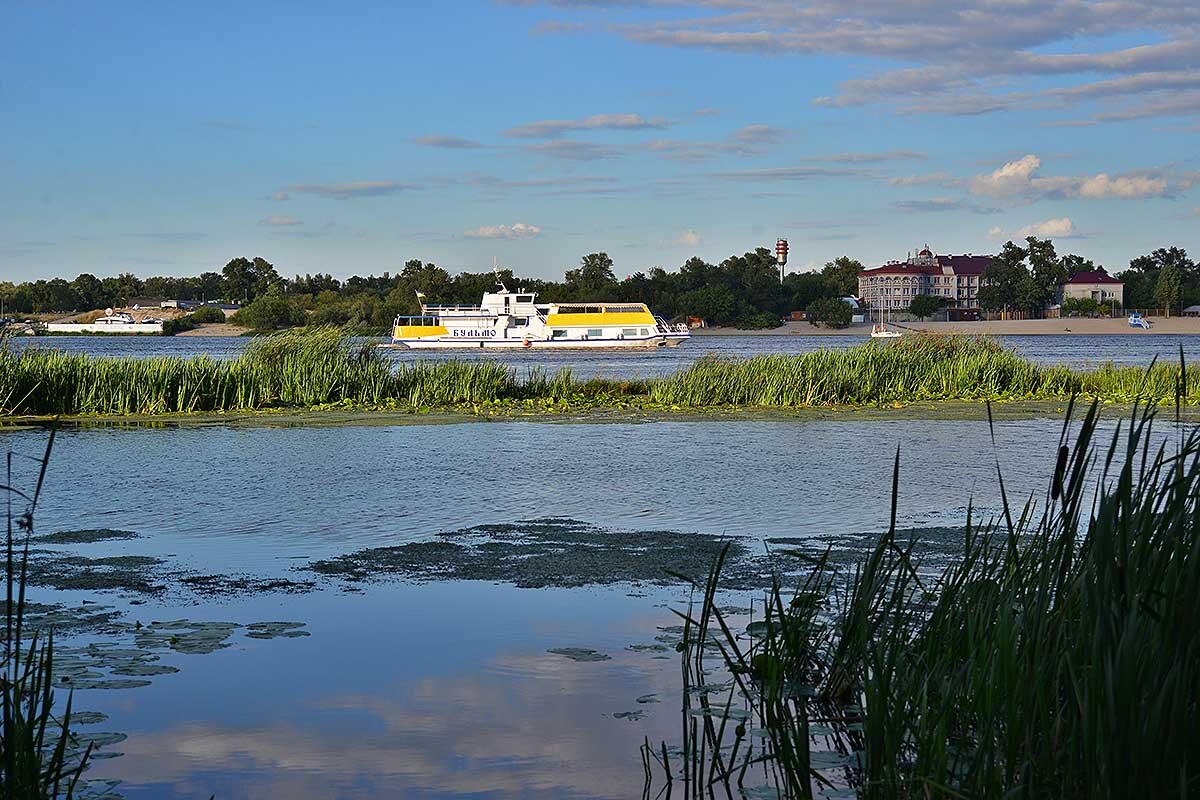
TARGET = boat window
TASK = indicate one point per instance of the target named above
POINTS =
(629, 332)
(520, 321)
(524, 298)
(645, 332)
(595, 333)
(558, 334)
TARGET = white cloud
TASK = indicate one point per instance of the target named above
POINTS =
(995, 233)
(1127, 186)
(1019, 179)
(518, 230)
(553, 128)
(447, 142)
(344, 191)
(1061, 228)
(689, 238)
(960, 56)
(278, 221)
(572, 150)
(279, 197)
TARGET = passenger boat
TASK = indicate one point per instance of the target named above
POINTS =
(507, 319)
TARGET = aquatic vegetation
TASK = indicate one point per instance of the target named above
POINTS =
(322, 368)
(545, 552)
(36, 757)
(1055, 656)
(924, 367)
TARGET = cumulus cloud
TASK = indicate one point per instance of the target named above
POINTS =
(1020, 180)
(688, 238)
(447, 142)
(343, 191)
(278, 221)
(518, 230)
(1060, 228)
(554, 128)
(995, 233)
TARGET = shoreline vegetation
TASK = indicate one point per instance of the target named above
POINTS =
(1053, 656)
(323, 369)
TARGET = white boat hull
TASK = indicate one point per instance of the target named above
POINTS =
(430, 343)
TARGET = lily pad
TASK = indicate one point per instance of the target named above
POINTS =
(88, 717)
(648, 698)
(632, 716)
(275, 630)
(580, 653)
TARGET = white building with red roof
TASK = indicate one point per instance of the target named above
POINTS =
(1095, 285)
(955, 279)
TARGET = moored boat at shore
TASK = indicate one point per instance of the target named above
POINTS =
(506, 319)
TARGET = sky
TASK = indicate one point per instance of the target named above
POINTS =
(167, 138)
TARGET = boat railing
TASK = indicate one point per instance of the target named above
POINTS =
(667, 327)
(453, 308)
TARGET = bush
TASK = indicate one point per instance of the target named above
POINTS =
(1080, 307)
(271, 311)
(207, 314)
(925, 305)
(832, 311)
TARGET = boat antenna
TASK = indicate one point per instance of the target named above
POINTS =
(496, 273)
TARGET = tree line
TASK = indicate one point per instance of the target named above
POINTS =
(1026, 279)
(743, 290)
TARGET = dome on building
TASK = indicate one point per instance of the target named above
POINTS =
(926, 253)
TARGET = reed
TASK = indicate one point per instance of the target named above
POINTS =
(38, 757)
(1057, 656)
(322, 367)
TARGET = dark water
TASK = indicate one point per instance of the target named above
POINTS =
(1047, 349)
(446, 689)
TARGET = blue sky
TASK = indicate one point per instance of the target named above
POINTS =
(348, 138)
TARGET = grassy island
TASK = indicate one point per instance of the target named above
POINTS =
(323, 368)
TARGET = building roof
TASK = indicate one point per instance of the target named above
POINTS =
(1097, 276)
(959, 265)
(966, 265)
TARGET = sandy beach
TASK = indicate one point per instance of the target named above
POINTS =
(1025, 327)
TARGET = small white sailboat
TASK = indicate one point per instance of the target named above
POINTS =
(880, 330)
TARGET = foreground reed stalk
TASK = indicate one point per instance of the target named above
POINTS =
(324, 367)
(37, 759)
(1057, 657)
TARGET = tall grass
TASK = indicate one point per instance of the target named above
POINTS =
(923, 367)
(1057, 657)
(323, 366)
(35, 760)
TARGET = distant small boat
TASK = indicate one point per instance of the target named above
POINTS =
(1138, 321)
(880, 330)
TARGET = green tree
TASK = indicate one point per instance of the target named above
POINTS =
(714, 304)
(594, 279)
(925, 305)
(239, 279)
(832, 312)
(841, 276)
(1073, 264)
(271, 311)
(90, 291)
(1168, 287)
(1047, 272)
(1005, 281)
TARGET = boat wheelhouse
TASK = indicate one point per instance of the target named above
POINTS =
(516, 320)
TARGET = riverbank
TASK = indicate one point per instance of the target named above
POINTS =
(1021, 327)
(324, 370)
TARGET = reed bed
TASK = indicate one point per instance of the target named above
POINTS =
(323, 367)
(1056, 657)
(923, 367)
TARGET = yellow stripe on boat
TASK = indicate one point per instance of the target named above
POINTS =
(417, 331)
(598, 319)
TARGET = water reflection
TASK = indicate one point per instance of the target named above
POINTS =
(373, 706)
